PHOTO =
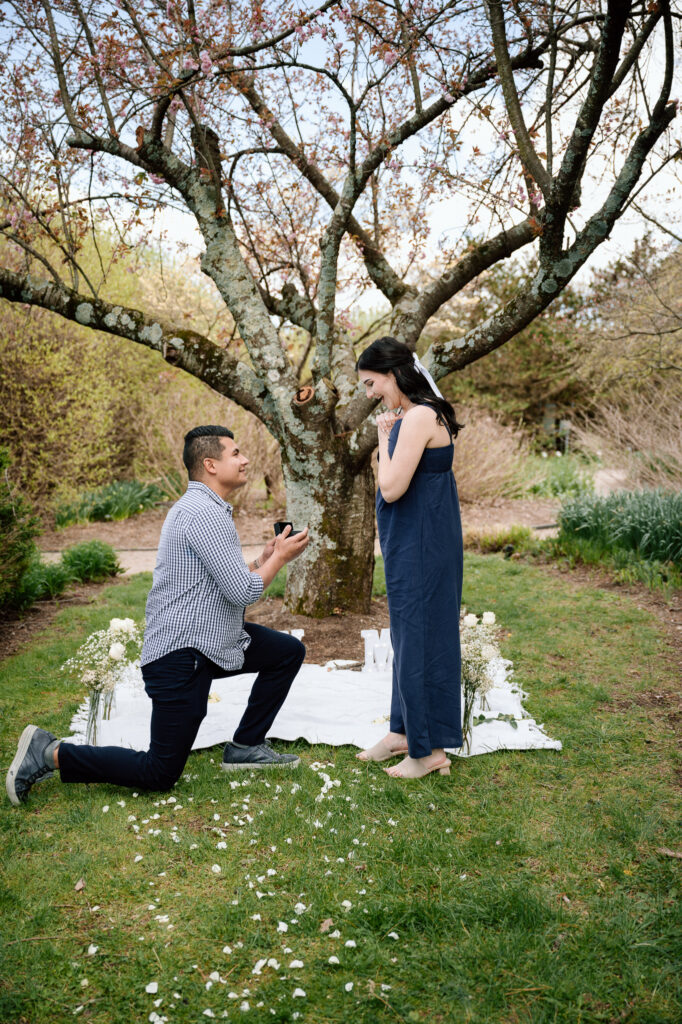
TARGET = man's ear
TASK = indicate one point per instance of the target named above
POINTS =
(209, 466)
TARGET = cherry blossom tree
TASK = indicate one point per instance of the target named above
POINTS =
(316, 150)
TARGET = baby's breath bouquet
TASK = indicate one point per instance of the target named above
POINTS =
(479, 649)
(99, 662)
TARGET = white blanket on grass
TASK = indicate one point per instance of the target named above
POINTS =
(326, 704)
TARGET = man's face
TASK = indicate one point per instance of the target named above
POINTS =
(230, 469)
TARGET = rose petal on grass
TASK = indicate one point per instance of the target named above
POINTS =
(333, 960)
(295, 964)
(348, 986)
(298, 993)
(92, 950)
(351, 943)
(152, 988)
(216, 869)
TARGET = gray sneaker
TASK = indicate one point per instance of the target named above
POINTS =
(28, 765)
(238, 758)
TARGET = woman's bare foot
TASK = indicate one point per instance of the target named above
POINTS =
(418, 767)
(392, 745)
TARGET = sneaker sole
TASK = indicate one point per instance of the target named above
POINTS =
(242, 766)
(24, 743)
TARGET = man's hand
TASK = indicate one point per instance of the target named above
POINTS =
(266, 552)
(287, 548)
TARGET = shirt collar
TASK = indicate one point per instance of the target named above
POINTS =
(194, 485)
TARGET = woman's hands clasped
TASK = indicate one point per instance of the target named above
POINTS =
(386, 420)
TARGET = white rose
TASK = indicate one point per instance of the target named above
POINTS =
(488, 618)
(116, 625)
(470, 620)
(117, 651)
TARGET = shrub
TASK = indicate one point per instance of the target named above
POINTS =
(559, 476)
(91, 561)
(489, 459)
(509, 539)
(40, 581)
(18, 527)
(119, 500)
(646, 522)
(643, 438)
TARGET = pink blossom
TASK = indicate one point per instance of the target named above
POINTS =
(448, 97)
(206, 62)
(390, 57)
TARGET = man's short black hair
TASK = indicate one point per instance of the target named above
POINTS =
(203, 443)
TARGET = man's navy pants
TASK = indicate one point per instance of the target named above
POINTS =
(179, 684)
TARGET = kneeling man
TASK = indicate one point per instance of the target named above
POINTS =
(195, 631)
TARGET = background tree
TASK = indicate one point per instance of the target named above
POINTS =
(312, 147)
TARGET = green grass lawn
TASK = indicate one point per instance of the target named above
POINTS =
(527, 887)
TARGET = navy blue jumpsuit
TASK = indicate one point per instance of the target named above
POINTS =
(421, 542)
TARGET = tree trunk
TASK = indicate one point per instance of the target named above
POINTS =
(336, 502)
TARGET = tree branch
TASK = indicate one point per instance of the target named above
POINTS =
(181, 347)
(529, 157)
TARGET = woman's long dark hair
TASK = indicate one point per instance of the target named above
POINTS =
(388, 355)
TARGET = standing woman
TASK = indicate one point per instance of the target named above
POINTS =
(421, 541)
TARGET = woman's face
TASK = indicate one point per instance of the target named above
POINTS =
(381, 385)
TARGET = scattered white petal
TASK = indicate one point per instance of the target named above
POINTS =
(260, 964)
(209, 1013)
(393, 935)
(282, 926)
(152, 988)
(244, 1006)
(92, 950)
(84, 983)
(346, 904)
(300, 908)
(138, 858)
(351, 943)
(336, 934)
(333, 960)
(295, 964)
(255, 917)
(273, 963)
(221, 846)
(216, 869)
(105, 808)
(298, 993)
(348, 986)
(121, 803)
(227, 949)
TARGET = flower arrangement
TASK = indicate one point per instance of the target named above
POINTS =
(98, 664)
(479, 649)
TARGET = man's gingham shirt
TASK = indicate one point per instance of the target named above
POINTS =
(201, 583)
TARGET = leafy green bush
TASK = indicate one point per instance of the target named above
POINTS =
(91, 561)
(18, 527)
(560, 476)
(119, 500)
(40, 581)
(648, 523)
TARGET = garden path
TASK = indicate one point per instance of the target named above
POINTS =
(136, 539)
